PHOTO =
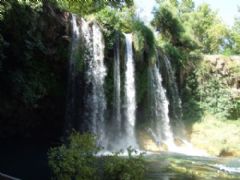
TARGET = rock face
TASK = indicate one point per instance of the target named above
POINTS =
(225, 66)
(228, 68)
(33, 72)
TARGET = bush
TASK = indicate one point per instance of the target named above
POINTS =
(124, 168)
(76, 159)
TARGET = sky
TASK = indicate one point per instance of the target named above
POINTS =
(227, 9)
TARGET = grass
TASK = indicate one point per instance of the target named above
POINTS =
(217, 136)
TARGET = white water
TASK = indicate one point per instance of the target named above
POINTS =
(117, 93)
(177, 103)
(71, 76)
(159, 105)
(130, 101)
(95, 77)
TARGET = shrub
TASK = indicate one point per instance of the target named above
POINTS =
(76, 159)
(124, 168)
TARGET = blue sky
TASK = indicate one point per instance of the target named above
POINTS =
(227, 9)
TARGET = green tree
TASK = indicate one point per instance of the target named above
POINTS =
(174, 36)
(234, 38)
(186, 6)
(84, 7)
(76, 159)
(124, 168)
(208, 29)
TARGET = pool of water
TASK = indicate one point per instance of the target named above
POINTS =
(171, 166)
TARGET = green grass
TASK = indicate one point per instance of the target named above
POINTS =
(217, 135)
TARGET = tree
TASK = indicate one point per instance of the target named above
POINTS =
(84, 7)
(168, 24)
(186, 6)
(234, 38)
(76, 159)
(208, 29)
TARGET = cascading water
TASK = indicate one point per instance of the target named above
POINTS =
(95, 77)
(159, 109)
(130, 101)
(71, 101)
(176, 101)
(117, 123)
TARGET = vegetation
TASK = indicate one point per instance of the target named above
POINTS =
(77, 160)
(215, 89)
(84, 7)
(132, 167)
(221, 139)
(33, 62)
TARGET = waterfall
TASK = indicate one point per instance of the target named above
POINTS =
(176, 101)
(130, 101)
(159, 109)
(117, 92)
(71, 91)
(95, 73)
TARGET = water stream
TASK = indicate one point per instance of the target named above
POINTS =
(129, 101)
(159, 109)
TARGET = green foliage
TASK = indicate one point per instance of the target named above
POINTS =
(233, 46)
(215, 93)
(32, 68)
(85, 7)
(124, 168)
(208, 29)
(76, 159)
(143, 39)
(175, 36)
(182, 24)
(126, 22)
(168, 24)
(123, 23)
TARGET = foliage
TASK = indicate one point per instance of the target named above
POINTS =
(208, 29)
(200, 25)
(215, 93)
(32, 69)
(84, 7)
(233, 40)
(143, 39)
(122, 23)
(126, 22)
(174, 37)
(125, 168)
(76, 159)
(168, 24)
